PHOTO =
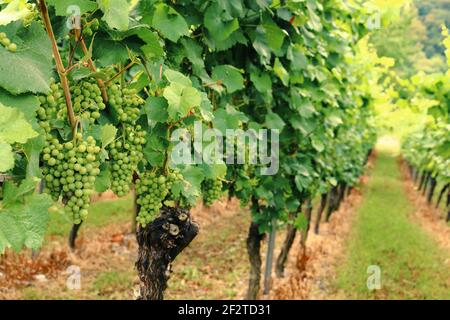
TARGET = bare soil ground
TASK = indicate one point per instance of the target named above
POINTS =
(213, 267)
(311, 276)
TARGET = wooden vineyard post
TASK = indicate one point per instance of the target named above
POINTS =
(269, 258)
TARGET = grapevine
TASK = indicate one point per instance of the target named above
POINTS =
(94, 102)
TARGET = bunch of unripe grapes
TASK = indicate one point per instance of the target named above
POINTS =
(125, 102)
(242, 181)
(32, 15)
(151, 190)
(212, 190)
(6, 42)
(90, 27)
(87, 100)
(70, 171)
(51, 104)
(125, 155)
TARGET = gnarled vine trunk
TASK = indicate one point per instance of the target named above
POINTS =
(441, 194)
(426, 183)
(341, 196)
(348, 191)
(448, 206)
(73, 235)
(159, 244)
(254, 253)
(320, 210)
(422, 180)
(433, 183)
(332, 203)
(414, 174)
(308, 214)
(291, 232)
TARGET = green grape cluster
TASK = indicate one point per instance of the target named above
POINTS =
(125, 154)
(90, 27)
(125, 102)
(212, 191)
(51, 104)
(70, 171)
(6, 42)
(32, 15)
(87, 100)
(151, 190)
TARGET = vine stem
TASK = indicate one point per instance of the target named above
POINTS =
(59, 64)
(91, 64)
(132, 63)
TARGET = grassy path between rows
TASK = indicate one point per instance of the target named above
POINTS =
(412, 266)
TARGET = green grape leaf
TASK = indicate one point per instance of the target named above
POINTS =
(194, 53)
(152, 48)
(214, 171)
(30, 68)
(231, 8)
(297, 57)
(306, 126)
(169, 22)
(292, 204)
(261, 46)
(317, 144)
(236, 37)
(177, 77)
(181, 100)
(103, 180)
(262, 82)
(13, 194)
(108, 134)
(228, 118)
(180, 95)
(116, 13)
(108, 52)
(299, 183)
(333, 181)
(229, 76)
(6, 157)
(25, 224)
(62, 6)
(154, 150)
(32, 150)
(281, 72)
(156, 109)
(193, 177)
(27, 103)
(274, 35)
(219, 29)
(13, 126)
(301, 222)
(11, 234)
(206, 108)
(274, 121)
(334, 119)
(306, 108)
